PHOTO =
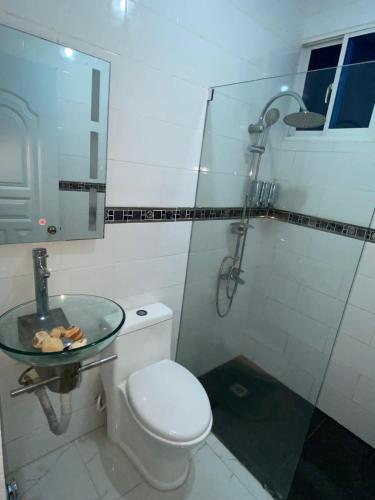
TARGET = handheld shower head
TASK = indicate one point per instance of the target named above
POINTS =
(271, 117)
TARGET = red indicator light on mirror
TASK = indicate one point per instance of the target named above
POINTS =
(42, 222)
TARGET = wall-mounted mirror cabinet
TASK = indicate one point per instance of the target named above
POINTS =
(53, 140)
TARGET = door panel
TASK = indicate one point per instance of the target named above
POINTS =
(28, 144)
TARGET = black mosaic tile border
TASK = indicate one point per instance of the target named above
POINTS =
(148, 214)
(327, 225)
(115, 215)
(81, 186)
(120, 215)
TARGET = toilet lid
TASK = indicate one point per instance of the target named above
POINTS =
(169, 401)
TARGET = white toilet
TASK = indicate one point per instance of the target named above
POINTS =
(157, 411)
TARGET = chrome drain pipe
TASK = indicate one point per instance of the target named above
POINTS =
(62, 384)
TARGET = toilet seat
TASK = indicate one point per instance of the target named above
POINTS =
(169, 403)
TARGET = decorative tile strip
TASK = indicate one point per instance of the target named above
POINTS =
(327, 225)
(81, 186)
(113, 215)
(150, 214)
(257, 212)
(120, 215)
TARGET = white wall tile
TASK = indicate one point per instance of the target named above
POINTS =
(310, 331)
(204, 264)
(95, 281)
(321, 180)
(342, 378)
(220, 190)
(367, 261)
(355, 354)
(320, 307)
(278, 313)
(306, 358)
(362, 294)
(322, 16)
(148, 91)
(16, 260)
(224, 154)
(269, 359)
(211, 235)
(348, 391)
(32, 445)
(147, 140)
(137, 277)
(267, 334)
(124, 242)
(359, 324)
(15, 291)
(283, 290)
(352, 206)
(131, 184)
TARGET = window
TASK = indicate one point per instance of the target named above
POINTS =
(318, 84)
(344, 89)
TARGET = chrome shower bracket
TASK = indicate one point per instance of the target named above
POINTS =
(240, 228)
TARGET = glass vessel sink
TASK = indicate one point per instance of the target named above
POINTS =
(98, 318)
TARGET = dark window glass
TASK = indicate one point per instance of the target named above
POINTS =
(355, 96)
(316, 92)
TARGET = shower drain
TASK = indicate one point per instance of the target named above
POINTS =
(238, 390)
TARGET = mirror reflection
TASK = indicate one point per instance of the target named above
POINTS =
(53, 140)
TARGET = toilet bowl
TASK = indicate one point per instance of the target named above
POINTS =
(157, 411)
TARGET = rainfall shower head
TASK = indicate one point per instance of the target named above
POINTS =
(304, 119)
(300, 119)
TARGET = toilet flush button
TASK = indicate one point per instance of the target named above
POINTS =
(141, 312)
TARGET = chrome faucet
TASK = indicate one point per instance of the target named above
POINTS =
(41, 274)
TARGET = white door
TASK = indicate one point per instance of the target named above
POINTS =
(28, 150)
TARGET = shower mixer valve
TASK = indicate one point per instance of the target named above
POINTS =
(235, 275)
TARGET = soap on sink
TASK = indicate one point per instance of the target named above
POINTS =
(78, 343)
(39, 338)
(57, 332)
(52, 344)
(73, 333)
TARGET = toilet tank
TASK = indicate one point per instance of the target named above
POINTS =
(145, 338)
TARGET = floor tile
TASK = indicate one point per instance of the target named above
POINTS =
(247, 479)
(59, 475)
(209, 479)
(110, 470)
(335, 465)
(92, 468)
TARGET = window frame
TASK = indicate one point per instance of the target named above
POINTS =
(303, 63)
